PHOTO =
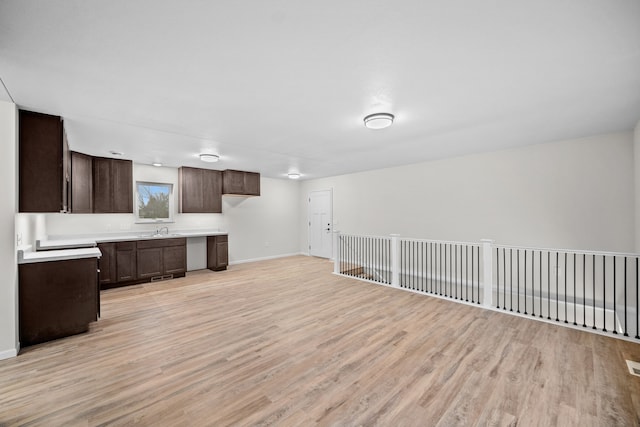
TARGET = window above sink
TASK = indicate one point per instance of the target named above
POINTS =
(154, 202)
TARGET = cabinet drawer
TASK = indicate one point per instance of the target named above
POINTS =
(125, 246)
(161, 243)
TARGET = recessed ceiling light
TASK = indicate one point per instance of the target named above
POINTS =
(293, 175)
(157, 164)
(378, 120)
(116, 153)
(209, 158)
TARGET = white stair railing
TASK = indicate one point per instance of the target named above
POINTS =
(594, 291)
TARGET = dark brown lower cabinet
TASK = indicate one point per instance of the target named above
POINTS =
(217, 252)
(130, 262)
(162, 257)
(57, 299)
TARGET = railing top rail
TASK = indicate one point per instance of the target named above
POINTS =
(570, 251)
(363, 235)
(448, 242)
(411, 239)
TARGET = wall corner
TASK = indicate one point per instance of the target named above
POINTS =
(636, 186)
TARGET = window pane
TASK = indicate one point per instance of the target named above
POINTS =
(153, 200)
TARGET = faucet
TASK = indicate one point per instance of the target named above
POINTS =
(159, 230)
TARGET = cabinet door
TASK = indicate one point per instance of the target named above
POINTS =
(126, 261)
(212, 191)
(149, 262)
(122, 181)
(191, 189)
(252, 184)
(56, 299)
(107, 263)
(200, 190)
(66, 173)
(112, 185)
(174, 259)
(40, 165)
(222, 255)
(81, 183)
(217, 253)
(232, 182)
(102, 186)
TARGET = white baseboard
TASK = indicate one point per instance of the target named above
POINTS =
(7, 354)
(243, 261)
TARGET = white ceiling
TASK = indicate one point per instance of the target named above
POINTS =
(283, 85)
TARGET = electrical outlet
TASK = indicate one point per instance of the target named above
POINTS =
(19, 239)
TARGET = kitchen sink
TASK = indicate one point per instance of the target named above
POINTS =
(159, 236)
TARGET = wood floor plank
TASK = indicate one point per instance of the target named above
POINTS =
(285, 342)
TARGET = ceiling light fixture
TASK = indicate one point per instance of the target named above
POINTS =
(210, 158)
(116, 153)
(378, 120)
(157, 164)
(293, 175)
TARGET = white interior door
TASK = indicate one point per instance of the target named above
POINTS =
(320, 223)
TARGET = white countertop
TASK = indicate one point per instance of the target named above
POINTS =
(65, 242)
(57, 248)
(27, 256)
(47, 245)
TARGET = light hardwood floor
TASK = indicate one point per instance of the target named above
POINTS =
(285, 342)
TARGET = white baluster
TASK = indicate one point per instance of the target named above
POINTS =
(487, 277)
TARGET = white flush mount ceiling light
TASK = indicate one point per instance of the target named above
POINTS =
(209, 158)
(293, 175)
(157, 164)
(378, 120)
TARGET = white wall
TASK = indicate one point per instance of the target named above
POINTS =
(568, 194)
(636, 169)
(8, 259)
(265, 226)
(30, 227)
(259, 227)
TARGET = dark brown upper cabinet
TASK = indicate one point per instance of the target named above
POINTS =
(200, 190)
(43, 166)
(240, 183)
(81, 183)
(112, 185)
